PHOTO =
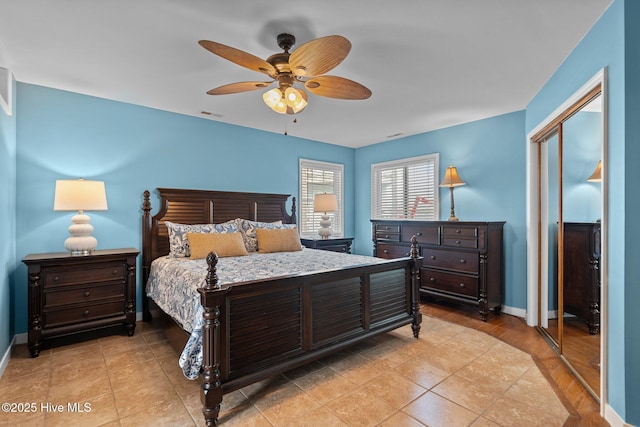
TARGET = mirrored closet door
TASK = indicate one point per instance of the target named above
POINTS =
(570, 203)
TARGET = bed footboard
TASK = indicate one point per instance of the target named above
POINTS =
(255, 330)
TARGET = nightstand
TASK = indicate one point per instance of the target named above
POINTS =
(335, 244)
(70, 294)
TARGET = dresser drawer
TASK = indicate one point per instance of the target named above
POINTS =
(451, 260)
(388, 228)
(449, 282)
(91, 293)
(392, 251)
(83, 313)
(84, 275)
(459, 231)
(456, 242)
(387, 235)
(426, 235)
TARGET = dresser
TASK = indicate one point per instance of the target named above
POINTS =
(70, 294)
(581, 261)
(335, 244)
(463, 261)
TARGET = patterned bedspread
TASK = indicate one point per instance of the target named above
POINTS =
(173, 284)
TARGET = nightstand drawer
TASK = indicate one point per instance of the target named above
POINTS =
(448, 282)
(461, 261)
(82, 276)
(83, 313)
(92, 293)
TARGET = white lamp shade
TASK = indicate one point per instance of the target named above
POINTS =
(325, 203)
(80, 195)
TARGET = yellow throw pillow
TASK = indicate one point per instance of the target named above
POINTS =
(278, 240)
(223, 244)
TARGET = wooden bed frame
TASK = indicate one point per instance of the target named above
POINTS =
(254, 330)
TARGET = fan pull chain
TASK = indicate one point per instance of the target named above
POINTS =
(285, 124)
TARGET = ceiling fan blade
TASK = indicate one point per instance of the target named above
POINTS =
(319, 56)
(239, 57)
(337, 87)
(238, 87)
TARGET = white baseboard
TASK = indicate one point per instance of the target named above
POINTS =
(21, 338)
(612, 417)
(514, 311)
(7, 356)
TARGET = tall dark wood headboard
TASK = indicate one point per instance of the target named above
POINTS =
(204, 207)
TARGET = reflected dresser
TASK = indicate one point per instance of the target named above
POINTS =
(581, 263)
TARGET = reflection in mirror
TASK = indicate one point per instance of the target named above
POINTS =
(581, 210)
(570, 207)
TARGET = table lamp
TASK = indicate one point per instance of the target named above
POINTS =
(80, 195)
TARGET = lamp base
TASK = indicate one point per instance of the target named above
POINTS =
(325, 227)
(452, 218)
(80, 242)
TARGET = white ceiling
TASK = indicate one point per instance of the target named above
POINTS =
(429, 63)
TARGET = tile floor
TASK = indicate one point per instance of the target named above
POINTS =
(451, 376)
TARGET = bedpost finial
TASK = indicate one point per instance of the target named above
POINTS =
(212, 276)
(414, 247)
(146, 204)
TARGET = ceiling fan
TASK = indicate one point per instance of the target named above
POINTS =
(305, 66)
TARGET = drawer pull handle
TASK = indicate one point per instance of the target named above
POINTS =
(458, 242)
(86, 294)
(418, 234)
(432, 257)
(433, 279)
(458, 231)
(385, 228)
(462, 285)
(385, 251)
(55, 279)
(386, 236)
(463, 261)
(85, 313)
(114, 272)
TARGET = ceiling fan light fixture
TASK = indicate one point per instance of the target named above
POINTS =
(296, 99)
(274, 99)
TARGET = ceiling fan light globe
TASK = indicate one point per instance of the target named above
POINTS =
(274, 100)
(296, 99)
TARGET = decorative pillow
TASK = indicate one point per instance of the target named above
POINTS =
(178, 243)
(223, 244)
(278, 240)
(248, 230)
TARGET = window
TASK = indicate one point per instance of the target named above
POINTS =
(320, 177)
(406, 189)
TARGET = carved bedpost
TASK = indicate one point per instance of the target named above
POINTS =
(416, 263)
(146, 253)
(294, 220)
(211, 299)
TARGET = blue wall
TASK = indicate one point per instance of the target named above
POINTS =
(490, 157)
(613, 43)
(65, 135)
(7, 224)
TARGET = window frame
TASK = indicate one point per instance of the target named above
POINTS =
(303, 204)
(378, 168)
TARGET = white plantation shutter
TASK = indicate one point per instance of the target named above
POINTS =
(320, 177)
(406, 189)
